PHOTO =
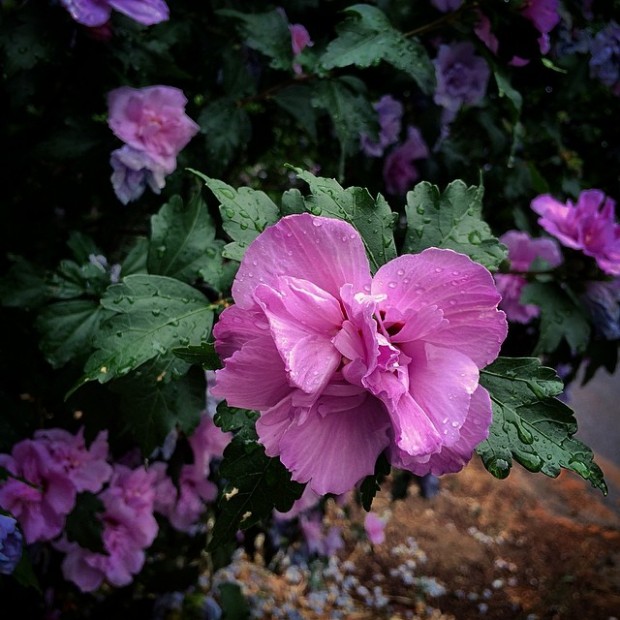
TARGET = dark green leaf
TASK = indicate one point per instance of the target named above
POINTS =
(297, 101)
(256, 484)
(72, 280)
(25, 575)
(68, 329)
(530, 425)
(453, 220)
(371, 485)
(267, 33)
(560, 317)
(203, 354)
(153, 315)
(233, 603)
(24, 286)
(245, 213)
(82, 247)
(135, 261)
(223, 146)
(366, 38)
(183, 243)
(234, 419)
(83, 525)
(373, 218)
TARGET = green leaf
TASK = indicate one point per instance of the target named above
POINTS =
(234, 419)
(371, 485)
(83, 526)
(366, 38)
(245, 213)
(453, 220)
(234, 604)
(24, 574)
(183, 243)
(561, 316)
(156, 400)
(68, 329)
(223, 145)
(530, 425)
(24, 286)
(135, 261)
(267, 33)
(203, 354)
(72, 280)
(373, 218)
(256, 484)
(351, 114)
(506, 89)
(297, 101)
(152, 315)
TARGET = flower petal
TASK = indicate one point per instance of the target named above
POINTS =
(462, 289)
(324, 251)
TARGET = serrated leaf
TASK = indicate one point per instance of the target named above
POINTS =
(68, 329)
(203, 354)
(256, 485)
(372, 218)
(561, 317)
(452, 219)
(267, 33)
(83, 525)
(72, 280)
(350, 112)
(155, 401)
(183, 243)
(366, 38)
(246, 212)
(297, 101)
(223, 146)
(234, 419)
(530, 425)
(152, 315)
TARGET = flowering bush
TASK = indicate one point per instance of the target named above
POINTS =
(271, 253)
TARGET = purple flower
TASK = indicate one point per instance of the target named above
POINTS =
(300, 39)
(133, 170)
(589, 226)
(390, 113)
(97, 12)
(11, 543)
(545, 17)
(318, 540)
(461, 76)
(605, 59)
(602, 300)
(399, 173)
(343, 366)
(374, 527)
(152, 120)
(446, 5)
(522, 251)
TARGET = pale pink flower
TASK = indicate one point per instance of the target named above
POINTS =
(589, 226)
(207, 442)
(152, 120)
(522, 251)
(44, 498)
(343, 366)
(374, 526)
(300, 39)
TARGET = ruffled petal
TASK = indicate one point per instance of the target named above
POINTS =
(253, 378)
(236, 327)
(463, 290)
(324, 251)
(334, 450)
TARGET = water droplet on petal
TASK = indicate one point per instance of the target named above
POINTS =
(392, 284)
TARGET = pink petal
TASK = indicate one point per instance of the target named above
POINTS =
(462, 289)
(324, 251)
(272, 425)
(254, 377)
(334, 451)
(237, 326)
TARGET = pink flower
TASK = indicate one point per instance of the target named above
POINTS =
(44, 498)
(300, 39)
(522, 251)
(207, 442)
(343, 366)
(97, 12)
(152, 120)
(589, 226)
(545, 17)
(374, 526)
(86, 468)
(399, 173)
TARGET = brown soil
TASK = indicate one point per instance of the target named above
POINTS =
(527, 547)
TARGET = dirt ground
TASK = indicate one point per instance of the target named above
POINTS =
(527, 547)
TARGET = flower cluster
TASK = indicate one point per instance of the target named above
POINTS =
(95, 13)
(589, 225)
(46, 474)
(153, 124)
(343, 366)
